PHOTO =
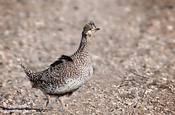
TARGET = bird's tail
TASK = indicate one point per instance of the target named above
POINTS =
(27, 71)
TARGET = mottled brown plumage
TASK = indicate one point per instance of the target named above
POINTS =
(67, 73)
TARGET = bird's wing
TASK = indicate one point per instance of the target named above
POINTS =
(62, 59)
(50, 74)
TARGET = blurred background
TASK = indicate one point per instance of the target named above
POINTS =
(133, 54)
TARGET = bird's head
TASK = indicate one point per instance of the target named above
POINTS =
(89, 29)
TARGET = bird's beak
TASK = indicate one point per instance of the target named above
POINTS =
(96, 29)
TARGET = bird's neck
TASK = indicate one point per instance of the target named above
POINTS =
(83, 47)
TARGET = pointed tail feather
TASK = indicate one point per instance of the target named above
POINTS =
(27, 71)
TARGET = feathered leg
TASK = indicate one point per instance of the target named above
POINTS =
(61, 102)
(47, 100)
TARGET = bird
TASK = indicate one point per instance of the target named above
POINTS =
(67, 73)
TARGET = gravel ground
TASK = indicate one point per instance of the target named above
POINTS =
(133, 55)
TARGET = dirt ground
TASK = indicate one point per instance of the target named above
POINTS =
(133, 55)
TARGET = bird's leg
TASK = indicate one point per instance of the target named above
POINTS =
(47, 100)
(61, 102)
(69, 94)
